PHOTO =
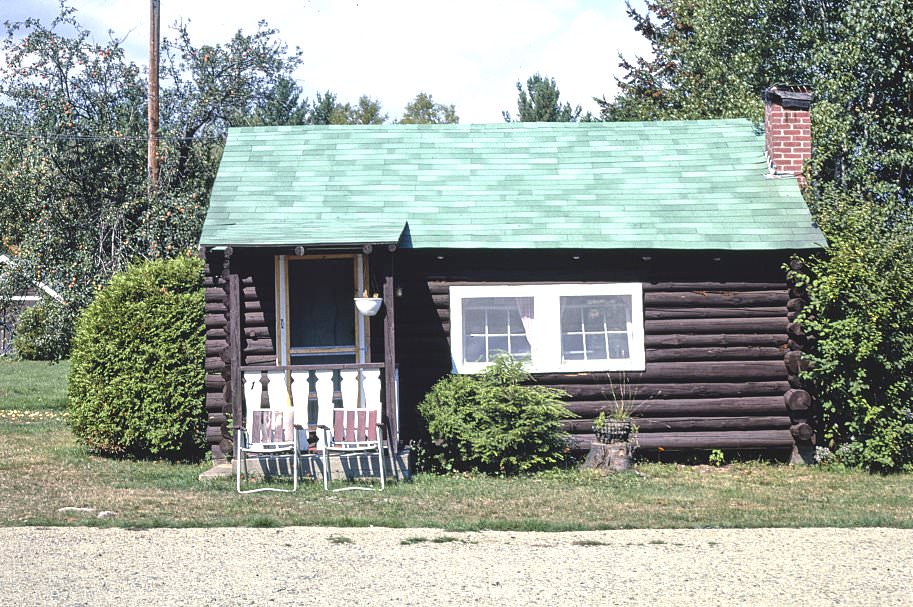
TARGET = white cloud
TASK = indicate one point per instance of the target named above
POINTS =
(468, 53)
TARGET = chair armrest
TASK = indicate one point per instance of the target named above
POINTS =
(323, 426)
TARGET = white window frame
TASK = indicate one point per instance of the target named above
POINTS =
(545, 347)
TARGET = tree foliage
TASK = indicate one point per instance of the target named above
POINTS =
(539, 103)
(136, 374)
(494, 422)
(861, 312)
(712, 59)
(328, 110)
(74, 199)
(424, 110)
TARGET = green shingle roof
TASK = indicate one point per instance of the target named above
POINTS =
(657, 185)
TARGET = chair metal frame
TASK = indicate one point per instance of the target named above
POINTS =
(265, 435)
(357, 429)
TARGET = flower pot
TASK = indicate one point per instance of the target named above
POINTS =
(368, 306)
(613, 431)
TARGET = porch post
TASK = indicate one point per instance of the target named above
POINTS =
(234, 345)
(390, 353)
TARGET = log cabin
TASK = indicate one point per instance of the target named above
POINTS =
(643, 256)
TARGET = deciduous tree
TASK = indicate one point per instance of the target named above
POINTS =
(424, 110)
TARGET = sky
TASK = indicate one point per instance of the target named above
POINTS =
(469, 53)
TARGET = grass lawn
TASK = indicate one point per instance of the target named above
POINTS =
(43, 468)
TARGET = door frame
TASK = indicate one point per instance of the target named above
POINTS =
(359, 280)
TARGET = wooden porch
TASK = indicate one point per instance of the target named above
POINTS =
(243, 344)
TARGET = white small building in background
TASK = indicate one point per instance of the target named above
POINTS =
(12, 307)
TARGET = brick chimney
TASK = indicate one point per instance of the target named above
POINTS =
(787, 129)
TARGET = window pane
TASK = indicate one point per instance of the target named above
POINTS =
(519, 346)
(593, 318)
(599, 318)
(595, 346)
(618, 312)
(618, 346)
(497, 320)
(572, 347)
(321, 311)
(570, 317)
(497, 345)
(474, 322)
(474, 349)
(494, 325)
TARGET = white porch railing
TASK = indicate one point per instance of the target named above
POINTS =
(314, 391)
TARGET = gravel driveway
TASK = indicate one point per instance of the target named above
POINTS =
(376, 566)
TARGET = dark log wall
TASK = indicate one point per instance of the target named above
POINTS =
(246, 323)
(716, 330)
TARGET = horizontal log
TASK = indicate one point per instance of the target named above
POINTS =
(736, 312)
(214, 294)
(796, 381)
(247, 281)
(762, 440)
(259, 359)
(212, 282)
(214, 381)
(687, 407)
(690, 424)
(797, 292)
(214, 363)
(796, 304)
(253, 306)
(256, 332)
(680, 390)
(717, 325)
(794, 362)
(217, 307)
(802, 431)
(215, 347)
(254, 318)
(797, 400)
(214, 434)
(795, 345)
(675, 371)
(795, 331)
(710, 353)
(704, 299)
(719, 340)
(216, 333)
(214, 321)
(443, 286)
(713, 286)
(249, 293)
(259, 346)
(216, 419)
(215, 402)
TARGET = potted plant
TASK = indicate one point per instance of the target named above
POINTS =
(616, 426)
(368, 306)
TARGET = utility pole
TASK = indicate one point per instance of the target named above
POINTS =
(153, 162)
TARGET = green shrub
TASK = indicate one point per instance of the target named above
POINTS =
(136, 376)
(861, 314)
(493, 423)
(44, 331)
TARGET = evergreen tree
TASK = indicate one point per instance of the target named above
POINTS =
(539, 103)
